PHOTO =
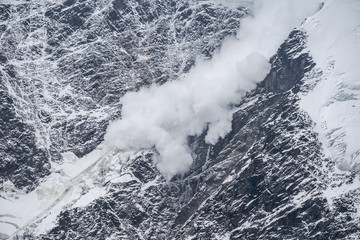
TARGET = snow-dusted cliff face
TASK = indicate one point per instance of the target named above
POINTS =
(285, 169)
(64, 67)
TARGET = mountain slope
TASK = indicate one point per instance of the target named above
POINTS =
(65, 66)
(267, 179)
(273, 176)
(334, 102)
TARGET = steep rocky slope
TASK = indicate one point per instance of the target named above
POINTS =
(266, 180)
(269, 178)
(64, 67)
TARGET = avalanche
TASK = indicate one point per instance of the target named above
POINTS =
(164, 116)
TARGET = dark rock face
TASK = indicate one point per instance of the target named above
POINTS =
(286, 70)
(65, 66)
(22, 161)
(264, 180)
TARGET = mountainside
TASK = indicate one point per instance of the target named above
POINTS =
(287, 169)
(65, 66)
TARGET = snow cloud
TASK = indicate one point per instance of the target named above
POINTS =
(164, 116)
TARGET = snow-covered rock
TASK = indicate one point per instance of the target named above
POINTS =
(64, 66)
(280, 173)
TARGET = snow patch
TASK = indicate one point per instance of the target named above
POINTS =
(90, 196)
(335, 191)
(69, 183)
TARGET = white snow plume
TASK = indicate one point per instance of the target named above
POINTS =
(164, 116)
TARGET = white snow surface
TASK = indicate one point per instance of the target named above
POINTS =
(334, 103)
(23, 209)
(75, 183)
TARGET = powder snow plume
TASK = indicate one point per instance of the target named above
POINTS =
(164, 116)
